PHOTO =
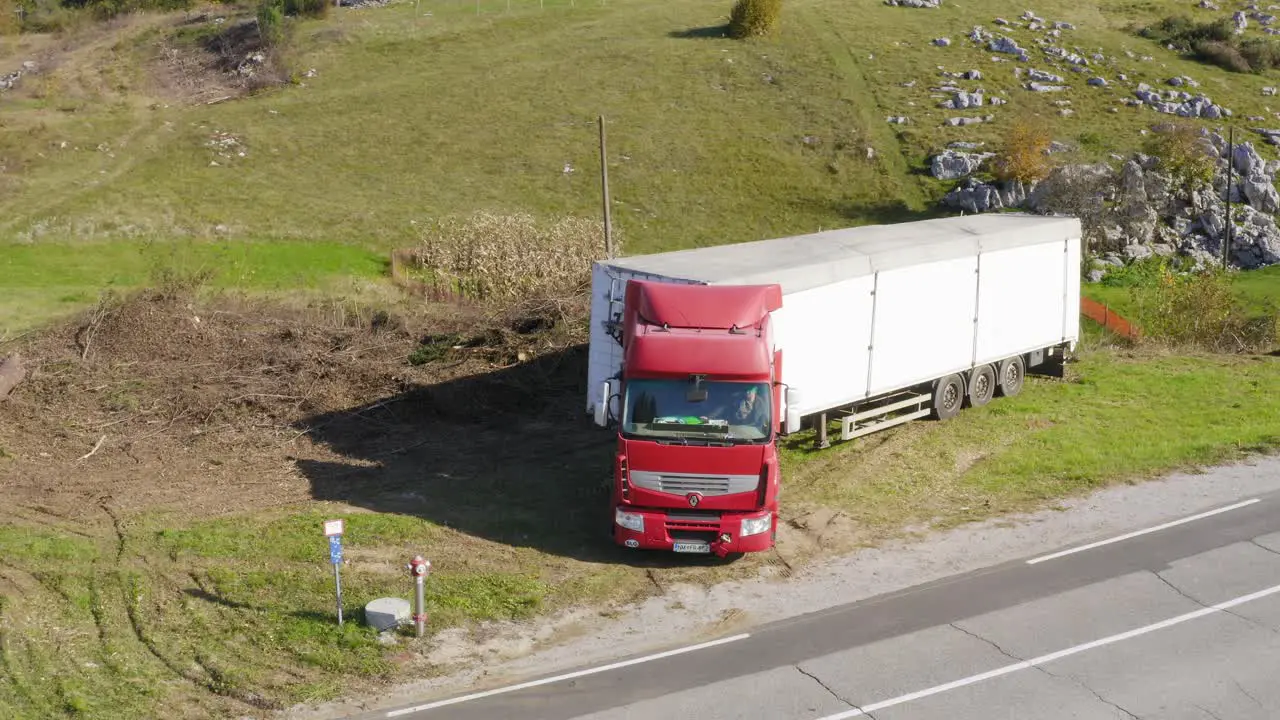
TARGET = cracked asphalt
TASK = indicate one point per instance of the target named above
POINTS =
(988, 644)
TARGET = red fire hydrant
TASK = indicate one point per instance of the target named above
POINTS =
(418, 569)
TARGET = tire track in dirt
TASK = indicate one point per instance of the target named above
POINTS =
(59, 523)
(103, 502)
(9, 670)
(217, 682)
(34, 209)
(98, 612)
(890, 143)
(37, 581)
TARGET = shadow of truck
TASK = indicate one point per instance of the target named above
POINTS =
(507, 455)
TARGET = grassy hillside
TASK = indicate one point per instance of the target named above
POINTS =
(418, 110)
(408, 119)
(210, 437)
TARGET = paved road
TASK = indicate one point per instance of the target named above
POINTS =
(1179, 622)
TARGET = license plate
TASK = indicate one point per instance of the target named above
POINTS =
(692, 546)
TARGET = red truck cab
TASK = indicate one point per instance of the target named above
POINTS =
(698, 411)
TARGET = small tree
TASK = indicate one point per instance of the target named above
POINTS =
(752, 18)
(271, 23)
(10, 22)
(1185, 154)
(1024, 155)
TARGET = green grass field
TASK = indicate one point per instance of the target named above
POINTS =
(414, 116)
(422, 110)
(1258, 291)
(43, 281)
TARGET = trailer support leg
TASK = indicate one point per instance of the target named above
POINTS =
(821, 442)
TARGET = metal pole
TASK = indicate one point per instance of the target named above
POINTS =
(337, 582)
(604, 185)
(419, 618)
(1231, 161)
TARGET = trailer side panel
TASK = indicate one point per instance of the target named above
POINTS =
(924, 323)
(824, 333)
(1071, 313)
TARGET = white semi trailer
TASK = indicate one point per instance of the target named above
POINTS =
(871, 326)
(874, 311)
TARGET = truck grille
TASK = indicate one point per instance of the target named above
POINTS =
(706, 485)
(678, 521)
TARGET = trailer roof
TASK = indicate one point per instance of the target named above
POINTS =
(806, 261)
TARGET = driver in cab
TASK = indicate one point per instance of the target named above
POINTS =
(747, 409)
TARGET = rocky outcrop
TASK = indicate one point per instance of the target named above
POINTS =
(974, 196)
(1042, 76)
(1134, 211)
(9, 81)
(964, 100)
(914, 3)
(1181, 103)
(962, 121)
(952, 165)
(1006, 45)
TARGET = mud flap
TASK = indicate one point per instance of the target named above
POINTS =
(1053, 366)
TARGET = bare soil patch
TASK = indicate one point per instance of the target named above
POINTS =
(226, 406)
(213, 57)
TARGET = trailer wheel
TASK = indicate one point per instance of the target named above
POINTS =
(948, 397)
(1012, 372)
(982, 385)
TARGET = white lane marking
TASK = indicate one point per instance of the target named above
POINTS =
(864, 710)
(1136, 533)
(567, 676)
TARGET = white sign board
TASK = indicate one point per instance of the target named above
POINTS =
(333, 527)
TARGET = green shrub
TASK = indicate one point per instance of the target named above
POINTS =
(271, 23)
(1199, 310)
(752, 18)
(1140, 273)
(1023, 154)
(1184, 32)
(9, 24)
(1215, 43)
(307, 8)
(1223, 55)
(1261, 54)
(1184, 153)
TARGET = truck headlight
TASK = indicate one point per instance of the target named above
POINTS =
(755, 526)
(629, 520)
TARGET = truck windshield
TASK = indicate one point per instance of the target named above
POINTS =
(730, 411)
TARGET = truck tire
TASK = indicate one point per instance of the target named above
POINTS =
(982, 385)
(948, 397)
(1012, 373)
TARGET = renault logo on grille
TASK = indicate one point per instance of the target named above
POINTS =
(694, 498)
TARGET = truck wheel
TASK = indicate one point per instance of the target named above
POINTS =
(948, 396)
(982, 385)
(1012, 372)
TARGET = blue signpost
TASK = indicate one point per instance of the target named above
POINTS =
(333, 530)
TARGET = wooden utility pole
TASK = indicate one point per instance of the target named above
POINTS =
(604, 187)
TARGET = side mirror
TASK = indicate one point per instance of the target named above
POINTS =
(792, 398)
(602, 404)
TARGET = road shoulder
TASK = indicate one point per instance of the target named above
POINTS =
(687, 614)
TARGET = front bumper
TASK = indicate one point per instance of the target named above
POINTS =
(664, 528)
